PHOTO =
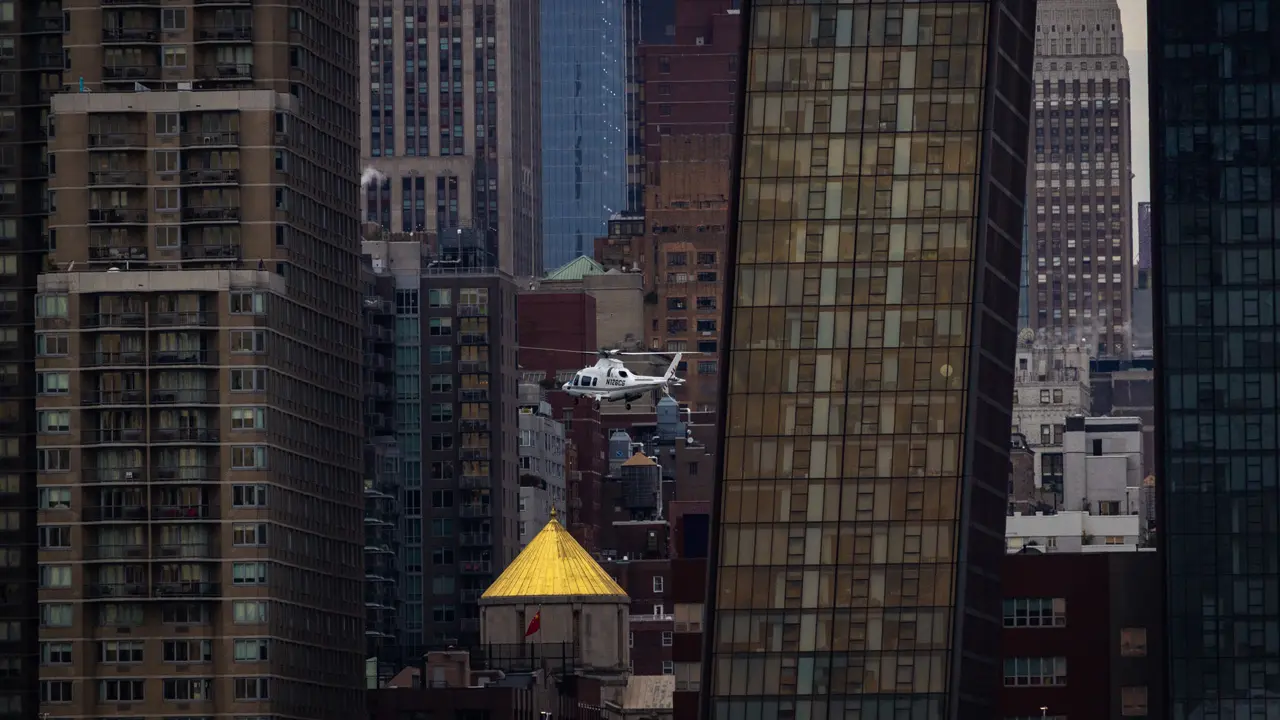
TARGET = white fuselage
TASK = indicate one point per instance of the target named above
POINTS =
(612, 384)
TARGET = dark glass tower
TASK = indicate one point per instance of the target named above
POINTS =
(1214, 228)
(872, 333)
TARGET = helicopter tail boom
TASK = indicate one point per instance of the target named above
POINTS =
(671, 371)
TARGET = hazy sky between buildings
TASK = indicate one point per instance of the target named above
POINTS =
(1133, 14)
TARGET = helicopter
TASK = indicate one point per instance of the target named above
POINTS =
(609, 380)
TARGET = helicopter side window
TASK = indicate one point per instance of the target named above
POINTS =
(622, 373)
(577, 379)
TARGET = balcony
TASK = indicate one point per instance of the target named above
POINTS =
(130, 36)
(474, 425)
(182, 512)
(226, 72)
(474, 338)
(98, 398)
(475, 567)
(110, 140)
(184, 357)
(110, 591)
(473, 311)
(225, 34)
(114, 551)
(114, 436)
(103, 321)
(184, 473)
(475, 453)
(130, 73)
(473, 366)
(118, 216)
(212, 252)
(183, 436)
(475, 482)
(183, 319)
(475, 511)
(118, 253)
(475, 539)
(211, 139)
(48, 22)
(166, 396)
(112, 359)
(114, 513)
(211, 213)
(470, 595)
(113, 475)
(117, 178)
(189, 589)
(185, 550)
(210, 177)
(50, 61)
(474, 395)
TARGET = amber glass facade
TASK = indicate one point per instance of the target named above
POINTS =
(872, 330)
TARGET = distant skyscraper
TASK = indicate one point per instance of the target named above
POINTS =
(451, 117)
(860, 514)
(1217, 345)
(584, 124)
(1081, 253)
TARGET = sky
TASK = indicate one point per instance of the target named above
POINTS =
(1133, 16)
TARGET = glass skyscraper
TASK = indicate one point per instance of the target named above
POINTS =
(1214, 227)
(873, 325)
(584, 124)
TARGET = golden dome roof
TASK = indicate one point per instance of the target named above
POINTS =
(553, 564)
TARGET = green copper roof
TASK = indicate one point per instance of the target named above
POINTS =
(576, 269)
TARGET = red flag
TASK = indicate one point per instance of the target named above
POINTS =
(535, 624)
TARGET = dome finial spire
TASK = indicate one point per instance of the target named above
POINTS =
(553, 512)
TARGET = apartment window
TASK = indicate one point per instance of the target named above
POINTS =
(249, 612)
(54, 498)
(10, 630)
(251, 650)
(249, 573)
(173, 19)
(440, 327)
(252, 688)
(1057, 396)
(244, 302)
(120, 690)
(53, 383)
(175, 56)
(116, 615)
(1133, 701)
(53, 460)
(668, 667)
(54, 537)
(1133, 642)
(1044, 397)
(55, 576)
(440, 298)
(8, 264)
(250, 380)
(249, 495)
(249, 534)
(166, 161)
(668, 638)
(55, 691)
(55, 615)
(248, 341)
(442, 412)
(248, 418)
(658, 583)
(54, 421)
(185, 614)
(441, 527)
(121, 651)
(188, 689)
(1030, 672)
(55, 653)
(441, 383)
(1035, 612)
(440, 354)
(51, 306)
(48, 345)
(248, 457)
(168, 237)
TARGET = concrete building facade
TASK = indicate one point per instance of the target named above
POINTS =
(542, 463)
(1050, 384)
(450, 120)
